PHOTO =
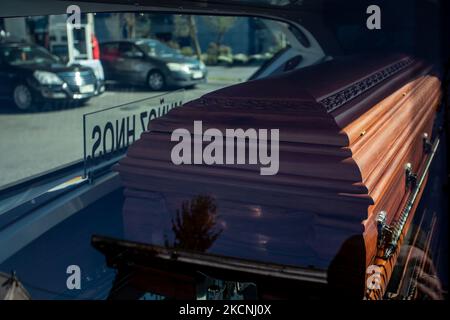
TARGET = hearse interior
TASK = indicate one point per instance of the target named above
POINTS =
(357, 209)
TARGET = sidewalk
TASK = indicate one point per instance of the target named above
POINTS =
(230, 75)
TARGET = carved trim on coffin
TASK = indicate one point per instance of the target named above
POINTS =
(256, 104)
(340, 98)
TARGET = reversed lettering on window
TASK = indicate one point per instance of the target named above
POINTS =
(107, 133)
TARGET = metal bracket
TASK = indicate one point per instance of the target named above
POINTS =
(385, 232)
(427, 145)
(411, 178)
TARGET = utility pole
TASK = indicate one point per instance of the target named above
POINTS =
(194, 36)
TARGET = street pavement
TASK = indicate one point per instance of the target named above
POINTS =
(32, 143)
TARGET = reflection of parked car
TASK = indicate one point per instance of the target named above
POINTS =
(29, 75)
(151, 63)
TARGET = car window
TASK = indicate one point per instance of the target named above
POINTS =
(46, 99)
(157, 49)
(65, 123)
(110, 51)
(128, 50)
(19, 55)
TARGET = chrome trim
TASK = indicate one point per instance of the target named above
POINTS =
(128, 249)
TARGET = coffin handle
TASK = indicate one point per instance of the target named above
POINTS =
(384, 229)
(411, 177)
(389, 235)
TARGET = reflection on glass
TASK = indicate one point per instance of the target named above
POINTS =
(195, 225)
(424, 284)
(26, 55)
(51, 74)
(157, 49)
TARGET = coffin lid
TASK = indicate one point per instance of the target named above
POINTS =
(306, 105)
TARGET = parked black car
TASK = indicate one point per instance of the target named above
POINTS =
(149, 62)
(30, 75)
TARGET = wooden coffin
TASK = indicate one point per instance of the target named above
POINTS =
(353, 138)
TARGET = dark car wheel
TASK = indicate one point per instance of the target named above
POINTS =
(84, 101)
(23, 98)
(155, 80)
(79, 103)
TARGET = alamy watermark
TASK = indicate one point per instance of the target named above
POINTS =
(227, 148)
(73, 281)
(74, 16)
(374, 20)
(373, 281)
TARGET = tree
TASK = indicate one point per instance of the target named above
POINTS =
(128, 25)
(185, 26)
(220, 25)
(195, 225)
(194, 36)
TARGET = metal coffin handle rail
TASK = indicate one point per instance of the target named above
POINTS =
(389, 235)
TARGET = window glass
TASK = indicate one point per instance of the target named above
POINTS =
(54, 73)
(155, 49)
(80, 96)
(110, 51)
(20, 55)
(128, 50)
